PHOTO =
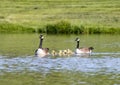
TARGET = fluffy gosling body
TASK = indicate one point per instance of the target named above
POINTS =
(54, 53)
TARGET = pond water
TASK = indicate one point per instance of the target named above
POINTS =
(19, 66)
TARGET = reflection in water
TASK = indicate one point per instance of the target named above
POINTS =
(102, 67)
(69, 70)
(82, 63)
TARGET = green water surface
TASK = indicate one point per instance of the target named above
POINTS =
(26, 44)
(18, 66)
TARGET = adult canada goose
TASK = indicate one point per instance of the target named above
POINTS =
(82, 49)
(41, 52)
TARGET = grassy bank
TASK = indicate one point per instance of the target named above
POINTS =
(87, 14)
(14, 28)
(65, 27)
(62, 27)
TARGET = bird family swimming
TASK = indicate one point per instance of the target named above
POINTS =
(82, 49)
(41, 52)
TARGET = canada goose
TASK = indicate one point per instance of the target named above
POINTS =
(82, 49)
(41, 52)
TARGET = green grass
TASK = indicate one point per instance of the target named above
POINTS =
(14, 28)
(39, 13)
(64, 27)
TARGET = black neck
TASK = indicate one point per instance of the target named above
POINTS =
(40, 45)
(77, 44)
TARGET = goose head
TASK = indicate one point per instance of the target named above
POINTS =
(91, 48)
(41, 37)
(77, 39)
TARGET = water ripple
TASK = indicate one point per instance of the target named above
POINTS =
(89, 64)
